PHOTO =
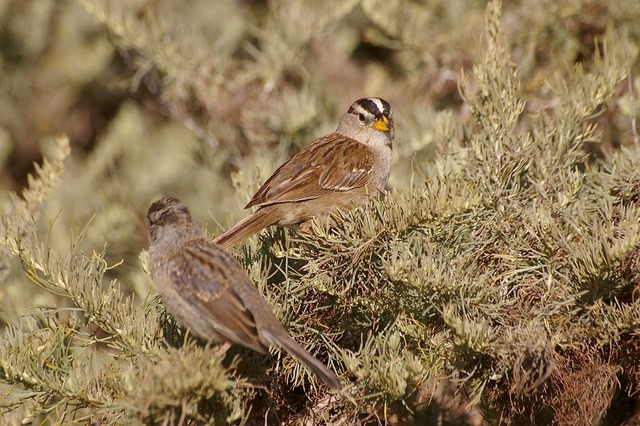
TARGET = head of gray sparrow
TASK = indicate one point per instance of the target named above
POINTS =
(369, 120)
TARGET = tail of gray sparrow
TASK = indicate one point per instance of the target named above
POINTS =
(208, 291)
(344, 168)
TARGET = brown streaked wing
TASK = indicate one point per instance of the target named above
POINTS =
(206, 277)
(318, 168)
(347, 172)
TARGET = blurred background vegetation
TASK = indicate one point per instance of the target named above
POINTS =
(498, 282)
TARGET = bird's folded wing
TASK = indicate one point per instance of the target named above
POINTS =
(333, 163)
(208, 280)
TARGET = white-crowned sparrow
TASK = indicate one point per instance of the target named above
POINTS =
(208, 291)
(344, 168)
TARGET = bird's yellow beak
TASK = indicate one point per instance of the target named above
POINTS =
(382, 124)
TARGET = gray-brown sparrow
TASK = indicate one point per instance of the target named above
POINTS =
(344, 168)
(208, 291)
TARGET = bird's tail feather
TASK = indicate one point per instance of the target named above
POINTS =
(298, 352)
(248, 226)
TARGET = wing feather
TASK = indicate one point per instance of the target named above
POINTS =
(210, 285)
(332, 163)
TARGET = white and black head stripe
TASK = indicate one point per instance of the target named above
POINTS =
(377, 107)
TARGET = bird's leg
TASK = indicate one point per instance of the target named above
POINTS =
(305, 228)
(224, 348)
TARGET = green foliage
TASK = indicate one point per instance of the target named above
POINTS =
(496, 282)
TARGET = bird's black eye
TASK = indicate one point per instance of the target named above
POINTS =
(361, 118)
